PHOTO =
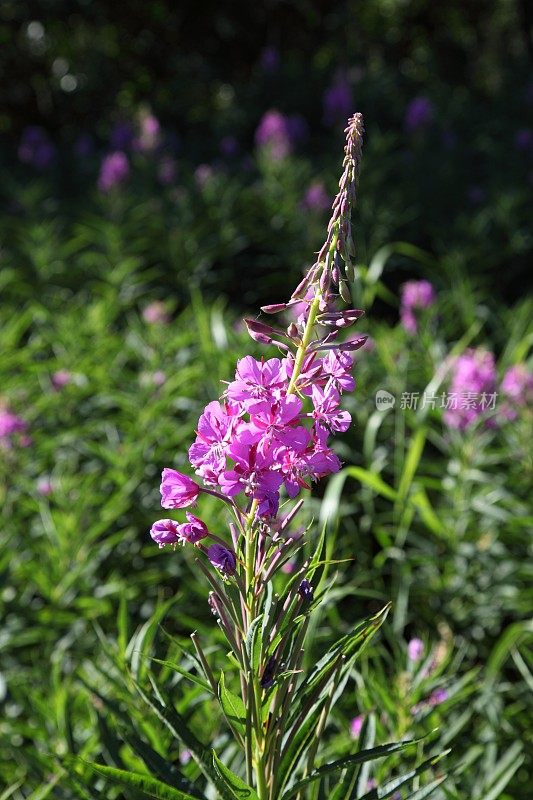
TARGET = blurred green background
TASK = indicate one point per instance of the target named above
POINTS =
(167, 167)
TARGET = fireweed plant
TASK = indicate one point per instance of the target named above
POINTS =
(269, 435)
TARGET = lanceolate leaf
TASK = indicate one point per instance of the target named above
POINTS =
(357, 758)
(390, 788)
(177, 726)
(142, 783)
(232, 705)
(254, 643)
(295, 747)
(425, 791)
(159, 766)
(349, 645)
(240, 789)
(182, 671)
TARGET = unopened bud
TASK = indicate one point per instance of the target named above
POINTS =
(350, 271)
(300, 291)
(325, 281)
(292, 331)
(259, 331)
(353, 344)
(344, 291)
(275, 308)
(305, 590)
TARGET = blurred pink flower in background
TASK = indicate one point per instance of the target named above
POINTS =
(149, 134)
(114, 171)
(155, 313)
(418, 115)
(167, 170)
(473, 384)
(337, 100)
(61, 378)
(316, 198)
(356, 725)
(415, 650)
(415, 296)
(13, 430)
(203, 175)
(44, 486)
(517, 388)
(272, 135)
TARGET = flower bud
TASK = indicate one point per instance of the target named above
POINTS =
(344, 291)
(274, 308)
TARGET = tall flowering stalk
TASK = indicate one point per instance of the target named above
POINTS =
(257, 447)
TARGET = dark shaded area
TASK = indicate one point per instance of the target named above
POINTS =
(451, 174)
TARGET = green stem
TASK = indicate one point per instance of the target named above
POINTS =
(306, 338)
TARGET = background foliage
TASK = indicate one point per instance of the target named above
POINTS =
(435, 521)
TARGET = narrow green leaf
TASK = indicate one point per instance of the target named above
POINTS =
(294, 749)
(232, 705)
(254, 643)
(425, 791)
(160, 767)
(356, 758)
(348, 646)
(391, 787)
(182, 671)
(368, 738)
(240, 788)
(143, 783)
(175, 723)
(411, 462)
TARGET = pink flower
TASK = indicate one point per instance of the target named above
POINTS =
(257, 384)
(473, 384)
(203, 175)
(155, 313)
(45, 486)
(165, 531)
(149, 134)
(327, 408)
(61, 378)
(252, 474)
(12, 428)
(415, 650)
(517, 388)
(216, 429)
(415, 296)
(316, 198)
(193, 530)
(355, 726)
(273, 135)
(177, 490)
(114, 171)
(222, 558)
(337, 100)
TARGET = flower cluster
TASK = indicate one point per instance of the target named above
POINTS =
(13, 430)
(260, 439)
(474, 371)
(270, 431)
(115, 170)
(415, 296)
(517, 388)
